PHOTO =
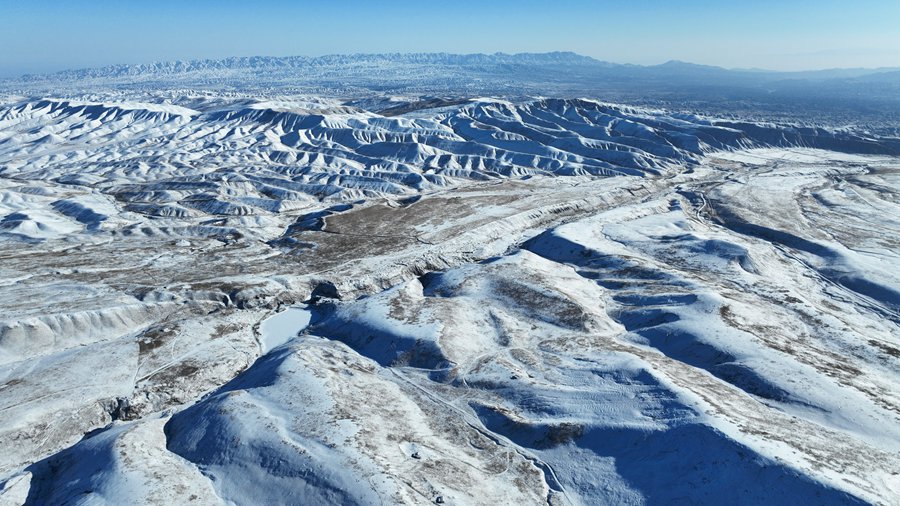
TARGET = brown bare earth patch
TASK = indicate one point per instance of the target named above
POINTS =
(155, 337)
(886, 348)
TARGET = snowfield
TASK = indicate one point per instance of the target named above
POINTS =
(215, 298)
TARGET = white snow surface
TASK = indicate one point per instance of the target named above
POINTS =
(280, 328)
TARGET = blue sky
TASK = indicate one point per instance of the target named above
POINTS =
(41, 35)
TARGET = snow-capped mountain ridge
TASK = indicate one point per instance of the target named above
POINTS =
(299, 63)
(832, 97)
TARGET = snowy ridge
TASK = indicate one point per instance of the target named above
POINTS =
(185, 163)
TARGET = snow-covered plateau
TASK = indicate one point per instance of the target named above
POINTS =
(222, 298)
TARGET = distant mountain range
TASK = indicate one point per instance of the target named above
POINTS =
(483, 62)
(303, 63)
(839, 95)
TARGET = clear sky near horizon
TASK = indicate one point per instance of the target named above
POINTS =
(42, 35)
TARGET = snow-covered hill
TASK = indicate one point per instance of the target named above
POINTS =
(140, 167)
(217, 298)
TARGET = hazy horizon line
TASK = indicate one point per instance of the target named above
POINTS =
(7, 75)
